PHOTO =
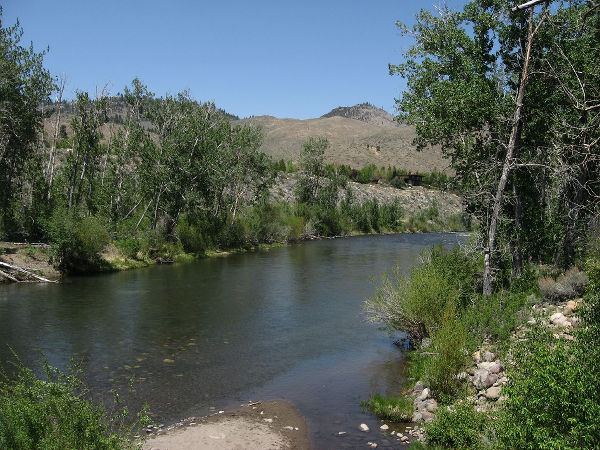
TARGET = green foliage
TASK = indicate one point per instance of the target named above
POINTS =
(568, 285)
(458, 426)
(25, 85)
(553, 398)
(494, 317)
(416, 303)
(56, 413)
(448, 358)
(395, 409)
(77, 241)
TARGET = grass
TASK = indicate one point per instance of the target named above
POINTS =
(395, 409)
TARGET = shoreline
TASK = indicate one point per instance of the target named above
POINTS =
(39, 259)
(274, 424)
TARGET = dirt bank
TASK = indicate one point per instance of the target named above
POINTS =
(261, 425)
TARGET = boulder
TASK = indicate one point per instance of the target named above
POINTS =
(483, 379)
(493, 393)
(489, 356)
(424, 395)
(430, 405)
(559, 320)
(492, 367)
(418, 387)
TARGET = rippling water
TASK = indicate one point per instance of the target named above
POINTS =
(284, 323)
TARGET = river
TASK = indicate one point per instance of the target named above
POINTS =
(281, 323)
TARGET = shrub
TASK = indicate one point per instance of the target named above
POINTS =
(448, 354)
(459, 426)
(77, 241)
(395, 409)
(567, 285)
(191, 236)
(416, 303)
(55, 413)
(553, 397)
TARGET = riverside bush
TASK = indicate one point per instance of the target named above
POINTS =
(77, 241)
(568, 285)
(55, 413)
(416, 303)
(459, 426)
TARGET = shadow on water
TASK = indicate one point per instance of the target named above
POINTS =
(284, 323)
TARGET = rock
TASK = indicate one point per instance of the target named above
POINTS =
(417, 417)
(424, 395)
(570, 307)
(477, 356)
(427, 416)
(419, 387)
(489, 356)
(492, 367)
(372, 444)
(363, 427)
(384, 427)
(404, 439)
(268, 420)
(532, 321)
(493, 393)
(425, 343)
(559, 320)
(462, 376)
(342, 433)
(574, 320)
(483, 379)
(430, 405)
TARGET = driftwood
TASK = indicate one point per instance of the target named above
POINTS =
(22, 270)
(9, 276)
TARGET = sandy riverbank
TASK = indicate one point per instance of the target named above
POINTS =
(261, 425)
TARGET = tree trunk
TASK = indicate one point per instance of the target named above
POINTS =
(512, 145)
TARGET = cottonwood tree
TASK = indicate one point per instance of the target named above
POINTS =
(24, 85)
(479, 86)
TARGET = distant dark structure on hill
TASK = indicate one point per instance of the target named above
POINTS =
(414, 179)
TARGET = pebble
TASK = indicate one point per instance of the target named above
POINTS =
(372, 444)
(342, 433)
(288, 428)
(363, 427)
(268, 420)
(384, 427)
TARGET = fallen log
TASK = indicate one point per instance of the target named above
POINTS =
(9, 276)
(31, 274)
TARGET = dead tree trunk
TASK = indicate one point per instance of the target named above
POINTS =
(508, 161)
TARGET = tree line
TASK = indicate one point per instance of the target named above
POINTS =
(513, 99)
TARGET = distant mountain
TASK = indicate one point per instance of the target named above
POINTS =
(365, 112)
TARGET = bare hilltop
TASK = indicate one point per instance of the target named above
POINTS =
(358, 135)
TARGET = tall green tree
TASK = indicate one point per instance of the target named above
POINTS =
(24, 85)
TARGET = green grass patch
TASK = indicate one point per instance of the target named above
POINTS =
(395, 409)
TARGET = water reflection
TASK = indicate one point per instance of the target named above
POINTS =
(285, 323)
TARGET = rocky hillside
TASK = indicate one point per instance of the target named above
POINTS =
(412, 199)
(365, 112)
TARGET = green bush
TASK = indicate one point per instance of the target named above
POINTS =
(77, 241)
(56, 413)
(395, 409)
(553, 397)
(459, 426)
(191, 236)
(447, 356)
(416, 303)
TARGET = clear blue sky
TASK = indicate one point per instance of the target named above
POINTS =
(282, 58)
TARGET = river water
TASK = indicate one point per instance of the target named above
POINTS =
(284, 323)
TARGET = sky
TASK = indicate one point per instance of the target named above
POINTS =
(282, 58)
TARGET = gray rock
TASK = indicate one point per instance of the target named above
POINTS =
(418, 387)
(384, 427)
(430, 405)
(492, 367)
(424, 395)
(417, 417)
(493, 393)
(489, 356)
(427, 416)
(363, 427)
(483, 379)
